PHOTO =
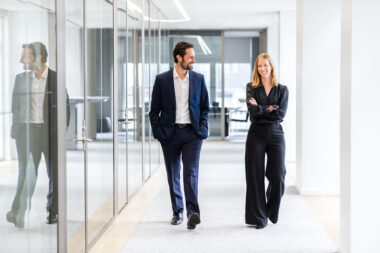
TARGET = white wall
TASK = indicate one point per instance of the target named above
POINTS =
(2, 105)
(273, 39)
(318, 96)
(360, 89)
(281, 32)
(287, 76)
(282, 48)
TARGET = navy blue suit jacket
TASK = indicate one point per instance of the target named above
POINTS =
(21, 92)
(163, 106)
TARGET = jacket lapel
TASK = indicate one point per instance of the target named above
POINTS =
(171, 88)
(192, 87)
(26, 82)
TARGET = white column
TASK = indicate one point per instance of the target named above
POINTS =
(287, 76)
(360, 127)
(318, 96)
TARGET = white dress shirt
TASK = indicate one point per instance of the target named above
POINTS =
(37, 98)
(181, 88)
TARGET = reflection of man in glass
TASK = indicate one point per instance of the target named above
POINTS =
(34, 127)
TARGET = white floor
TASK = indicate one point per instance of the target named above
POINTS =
(221, 197)
(39, 237)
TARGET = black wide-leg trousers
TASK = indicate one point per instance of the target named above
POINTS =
(260, 205)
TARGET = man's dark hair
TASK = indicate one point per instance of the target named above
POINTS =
(38, 49)
(180, 49)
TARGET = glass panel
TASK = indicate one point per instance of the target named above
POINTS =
(240, 54)
(122, 106)
(207, 47)
(134, 100)
(155, 147)
(75, 150)
(28, 119)
(99, 115)
(166, 50)
(146, 83)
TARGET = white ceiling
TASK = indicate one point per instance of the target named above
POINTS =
(224, 14)
(204, 14)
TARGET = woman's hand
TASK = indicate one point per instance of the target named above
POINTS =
(271, 108)
(252, 101)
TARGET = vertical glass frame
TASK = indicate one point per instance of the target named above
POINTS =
(99, 117)
(122, 113)
(134, 98)
(145, 78)
(154, 70)
(75, 150)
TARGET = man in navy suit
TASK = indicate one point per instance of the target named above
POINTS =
(34, 127)
(178, 115)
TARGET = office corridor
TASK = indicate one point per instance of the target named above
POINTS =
(221, 198)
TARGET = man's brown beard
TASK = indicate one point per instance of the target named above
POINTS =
(186, 67)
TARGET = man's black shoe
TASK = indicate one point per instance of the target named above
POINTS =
(52, 218)
(261, 226)
(13, 218)
(177, 219)
(193, 221)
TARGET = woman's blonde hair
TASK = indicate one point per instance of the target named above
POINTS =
(256, 78)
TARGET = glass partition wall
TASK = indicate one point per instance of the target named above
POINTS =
(75, 150)
(86, 87)
(122, 113)
(144, 75)
(110, 54)
(134, 109)
(28, 127)
(153, 71)
(99, 106)
(241, 49)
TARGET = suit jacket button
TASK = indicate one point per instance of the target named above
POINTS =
(173, 124)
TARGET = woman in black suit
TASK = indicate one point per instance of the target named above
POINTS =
(267, 101)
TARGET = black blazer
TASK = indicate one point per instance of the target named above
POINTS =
(163, 106)
(21, 91)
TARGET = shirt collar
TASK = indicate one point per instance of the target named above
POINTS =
(44, 74)
(175, 74)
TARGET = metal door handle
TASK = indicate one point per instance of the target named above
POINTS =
(125, 122)
(83, 140)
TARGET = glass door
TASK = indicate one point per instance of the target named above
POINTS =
(90, 167)
(153, 71)
(122, 113)
(145, 80)
(240, 51)
(75, 153)
(134, 101)
(99, 117)
(28, 127)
